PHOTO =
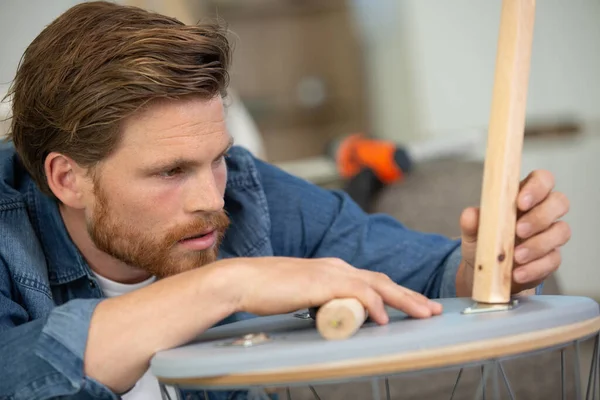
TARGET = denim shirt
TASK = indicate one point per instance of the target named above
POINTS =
(48, 292)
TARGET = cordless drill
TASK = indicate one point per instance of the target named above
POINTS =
(368, 165)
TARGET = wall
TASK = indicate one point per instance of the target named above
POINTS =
(455, 47)
(432, 66)
(575, 163)
(432, 62)
(20, 23)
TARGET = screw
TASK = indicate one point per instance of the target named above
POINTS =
(303, 315)
(249, 340)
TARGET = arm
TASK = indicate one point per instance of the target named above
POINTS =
(33, 363)
(39, 357)
(161, 316)
(100, 347)
(308, 221)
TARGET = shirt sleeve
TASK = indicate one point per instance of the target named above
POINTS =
(309, 221)
(43, 358)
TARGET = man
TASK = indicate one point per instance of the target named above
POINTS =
(128, 223)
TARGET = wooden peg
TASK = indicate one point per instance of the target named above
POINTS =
(498, 213)
(340, 318)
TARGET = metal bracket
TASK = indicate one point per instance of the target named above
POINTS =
(303, 315)
(249, 340)
(479, 308)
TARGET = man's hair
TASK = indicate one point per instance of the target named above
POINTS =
(98, 63)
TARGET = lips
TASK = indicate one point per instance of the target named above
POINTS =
(200, 241)
(198, 235)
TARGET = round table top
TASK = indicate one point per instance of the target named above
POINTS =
(295, 352)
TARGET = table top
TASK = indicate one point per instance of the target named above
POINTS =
(295, 351)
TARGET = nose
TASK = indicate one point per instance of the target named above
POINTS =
(203, 194)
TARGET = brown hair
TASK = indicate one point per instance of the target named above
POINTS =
(95, 65)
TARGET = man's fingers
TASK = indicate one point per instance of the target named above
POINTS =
(370, 299)
(534, 189)
(537, 246)
(542, 216)
(537, 270)
(434, 307)
(409, 298)
(413, 304)
(374, 290)
(521, 287)
(469, 224)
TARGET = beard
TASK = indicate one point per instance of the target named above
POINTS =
(158, 255)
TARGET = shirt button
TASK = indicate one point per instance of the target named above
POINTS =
(92, 284)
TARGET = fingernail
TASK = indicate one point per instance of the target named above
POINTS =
(521, 255)
(436, 307)
(527, 200)
(425, 309)
(520, 276)
(385, 318)
(523, 229)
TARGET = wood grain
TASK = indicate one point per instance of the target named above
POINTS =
(498, 213)
(340, 318)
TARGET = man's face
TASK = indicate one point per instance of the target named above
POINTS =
(157, 202)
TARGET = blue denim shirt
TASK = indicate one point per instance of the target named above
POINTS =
(48, 292)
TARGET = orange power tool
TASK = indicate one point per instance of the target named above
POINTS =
(368, 165)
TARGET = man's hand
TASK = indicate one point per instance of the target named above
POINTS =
(539, 235)
(169, 312)
(275, 285)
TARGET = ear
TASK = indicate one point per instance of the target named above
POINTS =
(67, 180)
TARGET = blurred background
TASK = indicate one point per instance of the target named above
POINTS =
(414, 74)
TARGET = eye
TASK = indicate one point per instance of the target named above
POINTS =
(171, 172)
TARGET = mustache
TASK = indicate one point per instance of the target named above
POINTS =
(216, 220)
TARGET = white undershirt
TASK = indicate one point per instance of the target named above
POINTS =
(147, 387)
(112, 288)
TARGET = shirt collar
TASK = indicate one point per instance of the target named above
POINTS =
(65, 262)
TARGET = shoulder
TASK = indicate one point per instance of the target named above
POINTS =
(14, 184)
(18, 239)
(15, 222)
(245, 169)
(241, 168)
(286, 196)
(12, 178)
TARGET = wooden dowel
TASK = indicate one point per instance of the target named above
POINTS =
(340, 318)
(496, 235)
